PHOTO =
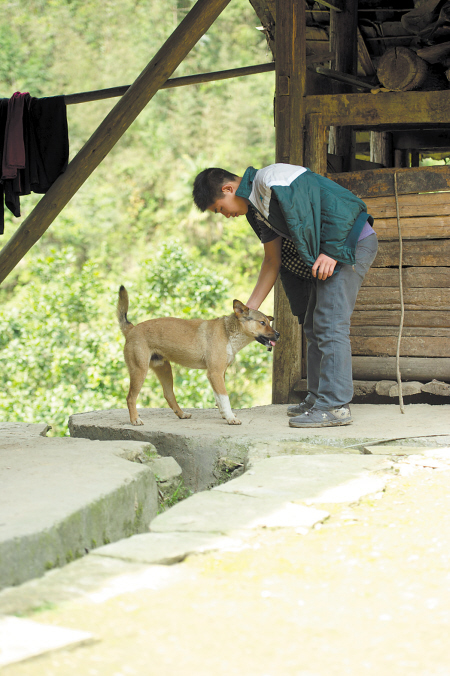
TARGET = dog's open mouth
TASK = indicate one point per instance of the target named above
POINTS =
(267, 342)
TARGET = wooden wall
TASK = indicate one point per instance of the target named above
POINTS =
(425, 224)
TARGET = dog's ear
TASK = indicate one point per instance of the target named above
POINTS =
(270, 318)
(239, 308)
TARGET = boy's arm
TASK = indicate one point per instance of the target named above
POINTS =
(268, 274)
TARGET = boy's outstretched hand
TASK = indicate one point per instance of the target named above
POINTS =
(323, 267)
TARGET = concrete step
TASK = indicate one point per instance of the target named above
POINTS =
(63, 497)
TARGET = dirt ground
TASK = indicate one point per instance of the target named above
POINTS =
(366, 592)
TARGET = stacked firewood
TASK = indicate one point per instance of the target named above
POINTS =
(425, 63)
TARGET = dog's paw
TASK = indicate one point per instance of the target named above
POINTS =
(138, 421)
(185, 416)
(234, 421)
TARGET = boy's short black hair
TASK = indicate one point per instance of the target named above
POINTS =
(208, 186)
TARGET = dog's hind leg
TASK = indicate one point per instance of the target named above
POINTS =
(217, 381)
(137, 377)
(163, 371)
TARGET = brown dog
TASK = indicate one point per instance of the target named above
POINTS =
(195, 343)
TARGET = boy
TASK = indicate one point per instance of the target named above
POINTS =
(319, 238)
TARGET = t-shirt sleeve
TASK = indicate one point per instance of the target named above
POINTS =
(266, 233)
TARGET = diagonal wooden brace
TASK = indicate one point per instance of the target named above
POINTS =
(115, 124)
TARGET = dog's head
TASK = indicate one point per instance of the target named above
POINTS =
(256, 324)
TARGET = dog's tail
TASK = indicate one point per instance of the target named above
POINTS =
(122, 309)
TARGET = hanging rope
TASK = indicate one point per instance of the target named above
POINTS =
(402, 306)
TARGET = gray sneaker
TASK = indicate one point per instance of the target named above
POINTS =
(318, 418)
(298, 409)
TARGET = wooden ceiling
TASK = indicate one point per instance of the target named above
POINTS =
(392, 35)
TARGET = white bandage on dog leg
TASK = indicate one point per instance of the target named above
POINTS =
(223, 402)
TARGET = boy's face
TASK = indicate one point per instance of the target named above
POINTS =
(230, 204)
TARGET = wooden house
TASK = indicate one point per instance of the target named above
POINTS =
(345, 71)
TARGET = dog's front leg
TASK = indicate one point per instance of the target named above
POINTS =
(222, 400)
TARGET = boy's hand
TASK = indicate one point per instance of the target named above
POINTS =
(323, 267)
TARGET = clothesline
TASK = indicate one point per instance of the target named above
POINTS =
(99, 94)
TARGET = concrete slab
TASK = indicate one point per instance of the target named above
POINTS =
(312, 478)
(72, 582)
(165, 548)
(22, 639)
(199, 443)
(62, 497)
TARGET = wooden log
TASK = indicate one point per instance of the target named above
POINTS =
(412, 368)
(400, 69)
(428, 227)
(434, 277)
(383, 110)
(388, 298)
(419, 253)
(380, 182)
(413, 318)
(425, 204)
(415, 346)
(185, 36)
(290, 85)
(434, 53)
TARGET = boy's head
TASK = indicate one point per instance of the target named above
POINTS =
(214, 189)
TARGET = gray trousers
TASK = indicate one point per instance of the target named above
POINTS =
(327, 329)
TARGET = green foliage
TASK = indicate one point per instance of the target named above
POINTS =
(133, 221)
(61, 352)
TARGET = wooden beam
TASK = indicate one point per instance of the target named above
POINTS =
(112, 92)
(290, 60)
(337, 5)
(385, 108)
(380, 182)
(185, 36)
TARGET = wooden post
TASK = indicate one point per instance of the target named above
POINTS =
(381, 148)
(190, 30)
(316, 144)
(344, 46)
(290, 68)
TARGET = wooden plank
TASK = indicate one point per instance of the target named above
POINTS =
(412, 277)
(419, 253)
(126, 110)
(387, 108)
(424, 204)
(412, 368)
(413, 318)
(428, 227)
(380, 182)
(388, 298)
(408, 331)
(386, 346)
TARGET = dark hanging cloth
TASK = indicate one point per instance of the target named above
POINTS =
(44, 140)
